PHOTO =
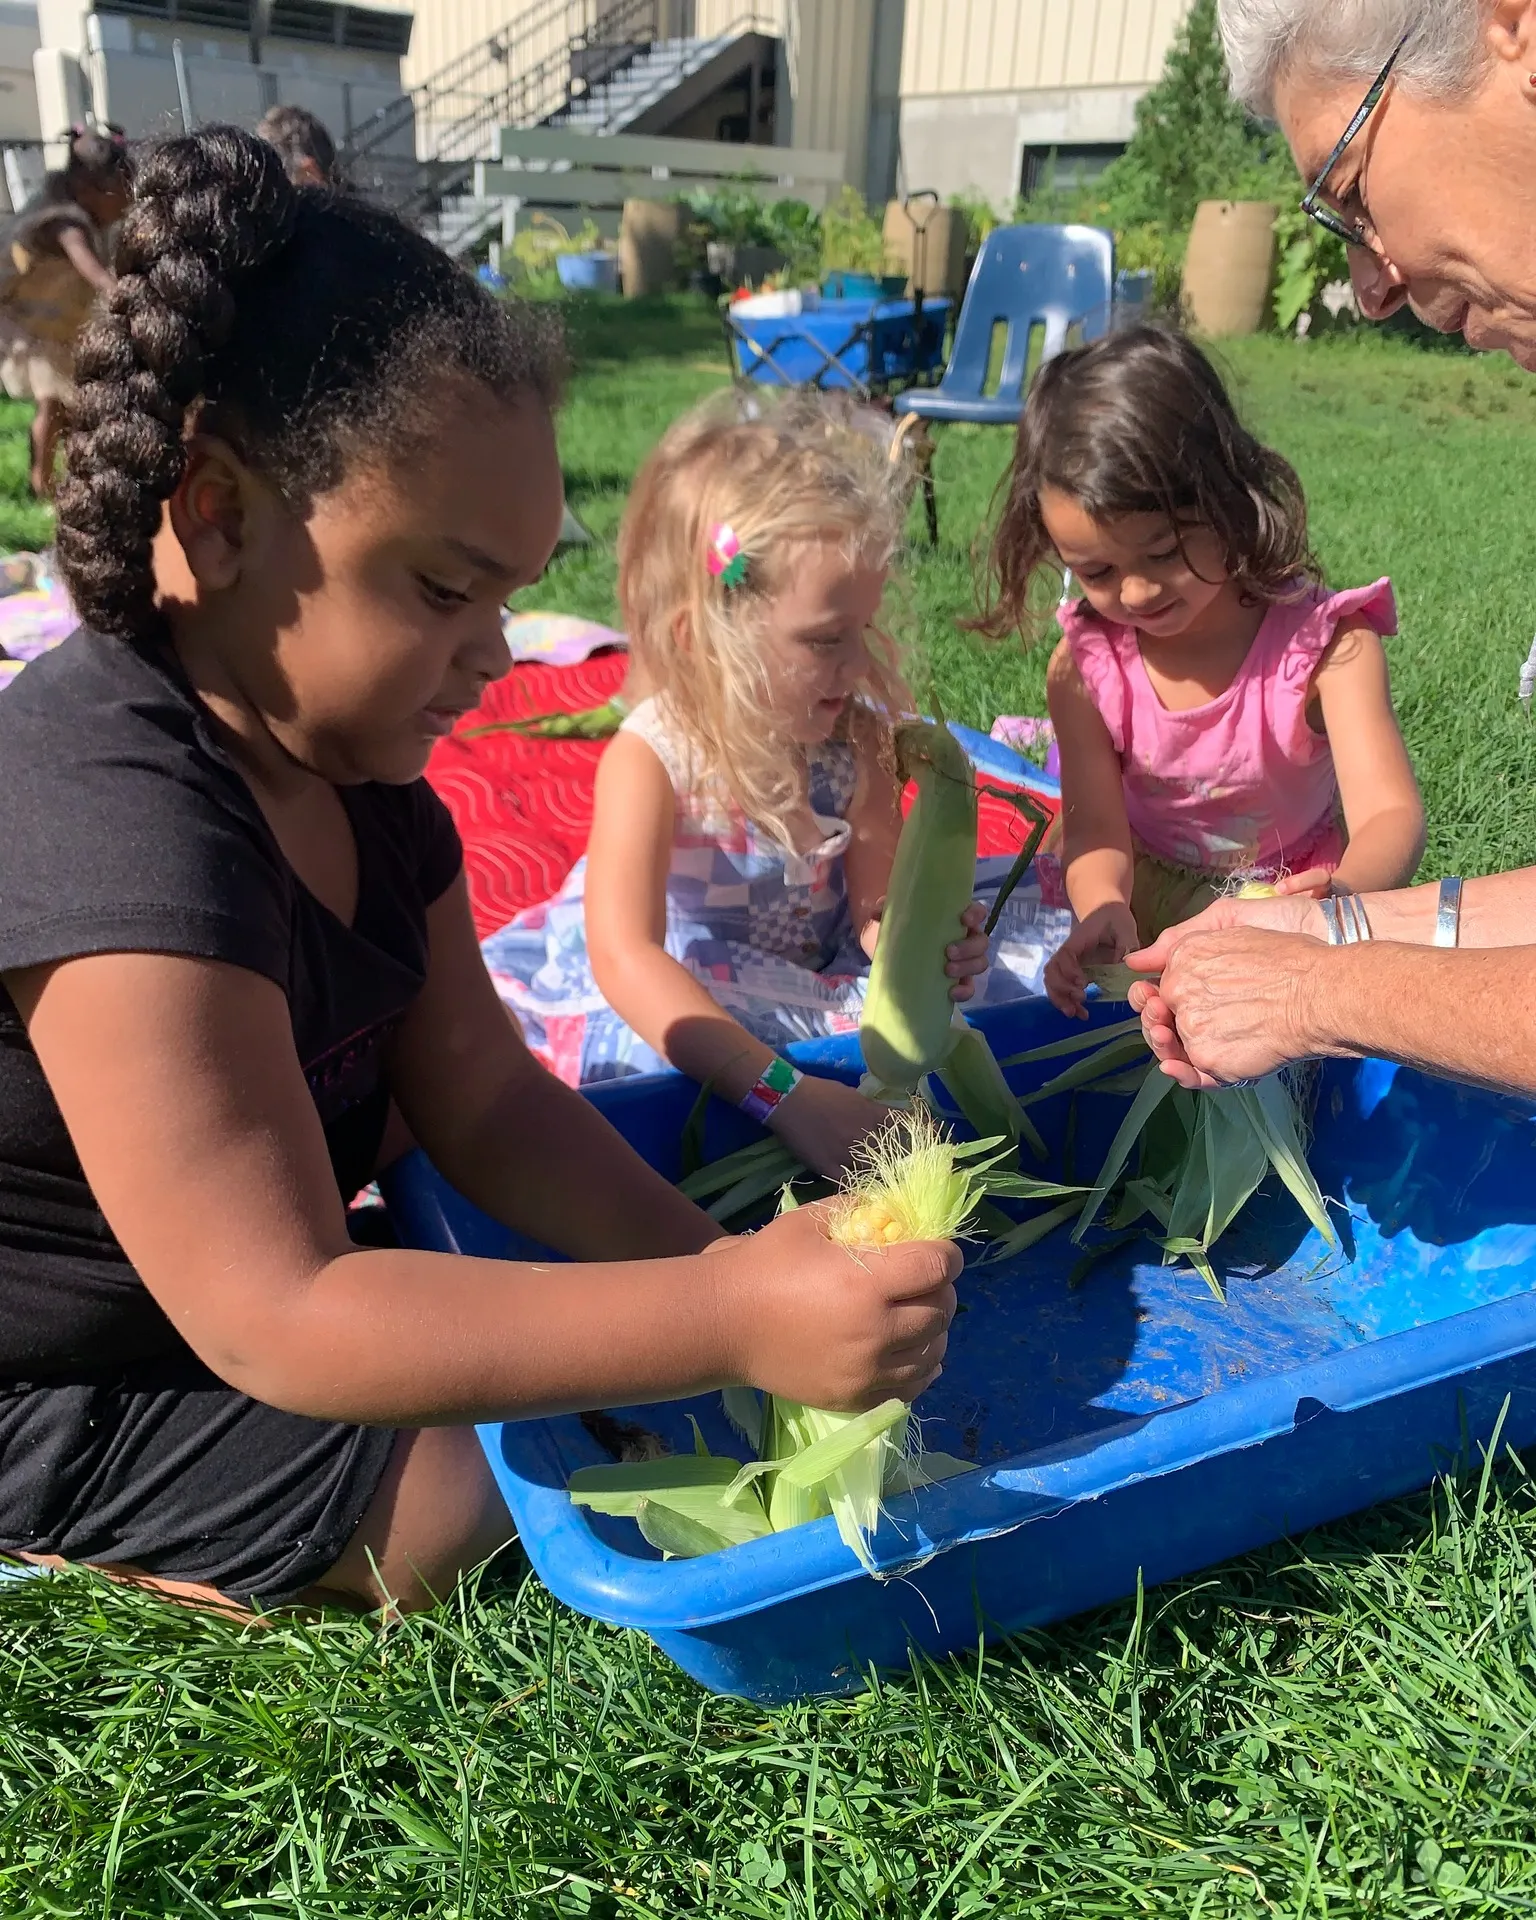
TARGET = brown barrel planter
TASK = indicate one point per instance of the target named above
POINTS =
(1229, 268)
(648, 240)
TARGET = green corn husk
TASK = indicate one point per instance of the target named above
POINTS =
(586, 723)
(912, 1183)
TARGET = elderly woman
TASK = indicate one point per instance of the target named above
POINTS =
(1415, 121)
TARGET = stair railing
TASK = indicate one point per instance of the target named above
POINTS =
(515, 78)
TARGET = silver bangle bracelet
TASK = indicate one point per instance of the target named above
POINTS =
(1344, 918)
(1448, 913)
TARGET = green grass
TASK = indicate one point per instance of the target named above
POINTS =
(1339, 1727)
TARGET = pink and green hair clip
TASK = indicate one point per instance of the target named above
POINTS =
(725, 559)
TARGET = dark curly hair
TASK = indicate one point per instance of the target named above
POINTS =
(305, 328)
(1139, 422)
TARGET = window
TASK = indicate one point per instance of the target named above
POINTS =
(1065, 168)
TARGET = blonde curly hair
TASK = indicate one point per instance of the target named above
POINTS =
(784, 473)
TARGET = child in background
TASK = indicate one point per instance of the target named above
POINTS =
(304, 145)
(1220, 715)
(309, 460)
(56, 247)
(747, 813)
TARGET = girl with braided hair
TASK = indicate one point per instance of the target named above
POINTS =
(308, 461)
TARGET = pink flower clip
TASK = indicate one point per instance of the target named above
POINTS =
(725, 559)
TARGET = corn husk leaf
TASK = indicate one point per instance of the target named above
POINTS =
(722, 1174)
(1113, 979)
(678, 1535)
(1274, 1112)
(744, 1409)
(1155, 1090)
(1199, 1259)
(699, 1487)
(1029, 1232)
(975, 1082)
(1112, 1058)
(924, 1470)
(1074, 1043)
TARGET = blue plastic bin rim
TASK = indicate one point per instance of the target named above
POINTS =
(683, 1595)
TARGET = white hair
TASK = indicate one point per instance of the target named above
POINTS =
(1350, 40)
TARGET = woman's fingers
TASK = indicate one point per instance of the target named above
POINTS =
(1233, 1004)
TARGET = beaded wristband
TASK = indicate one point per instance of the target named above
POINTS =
(777, 1079)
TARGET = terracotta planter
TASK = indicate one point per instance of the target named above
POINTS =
(648, 240)
(1230, 266)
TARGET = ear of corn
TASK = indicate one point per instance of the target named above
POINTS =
(912, 1183)
(907, 1028)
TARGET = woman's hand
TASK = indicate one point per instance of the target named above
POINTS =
(1107, 935)
(1233, 1004)
(822, 1121)
(815, 1322)
(963, 959)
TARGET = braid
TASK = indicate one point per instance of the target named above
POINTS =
(303, 327)
(207, 209)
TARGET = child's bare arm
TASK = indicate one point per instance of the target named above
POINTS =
(628, 855)
(182, 1091)
(1096, 853)
(875, 819)
(1382, 807)
(1097, 861)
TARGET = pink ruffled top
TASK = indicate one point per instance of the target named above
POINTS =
(1241, 783)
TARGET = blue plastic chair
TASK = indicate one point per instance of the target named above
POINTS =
(1060, 278)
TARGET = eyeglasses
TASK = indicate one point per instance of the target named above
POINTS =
(1356, 233)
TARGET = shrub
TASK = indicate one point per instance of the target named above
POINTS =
(851, 236)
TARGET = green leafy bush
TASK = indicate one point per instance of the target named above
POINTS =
(851, 236)
(1309, 258)
(1192, 142)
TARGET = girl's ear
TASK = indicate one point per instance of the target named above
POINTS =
(682, 631)
(210, 513)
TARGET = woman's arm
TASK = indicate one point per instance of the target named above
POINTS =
(527, 1149)
(1250, 985)
(1382, 807)
(184, 1099)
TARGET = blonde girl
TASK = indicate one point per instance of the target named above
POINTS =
(747, 813)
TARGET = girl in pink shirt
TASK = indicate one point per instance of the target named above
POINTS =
(1220, 714)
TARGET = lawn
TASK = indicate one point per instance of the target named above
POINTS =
(1339, 1727)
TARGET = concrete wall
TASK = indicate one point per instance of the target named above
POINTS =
(18, 90)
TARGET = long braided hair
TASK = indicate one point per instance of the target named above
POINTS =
(307, 329)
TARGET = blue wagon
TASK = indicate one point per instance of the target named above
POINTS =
(1123, 1422)
(864, 345)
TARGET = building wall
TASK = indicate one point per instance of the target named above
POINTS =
(984, 80)
(1005, 46)
(18, 90)
(942, 94)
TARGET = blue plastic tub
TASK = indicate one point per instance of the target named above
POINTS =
(1130, 1425)
(588, 272)
(841, 343)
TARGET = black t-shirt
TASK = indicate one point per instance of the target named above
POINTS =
(124, 827)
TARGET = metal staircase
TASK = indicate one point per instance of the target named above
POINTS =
(551, 54)
(592, 66)
(633, 91)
